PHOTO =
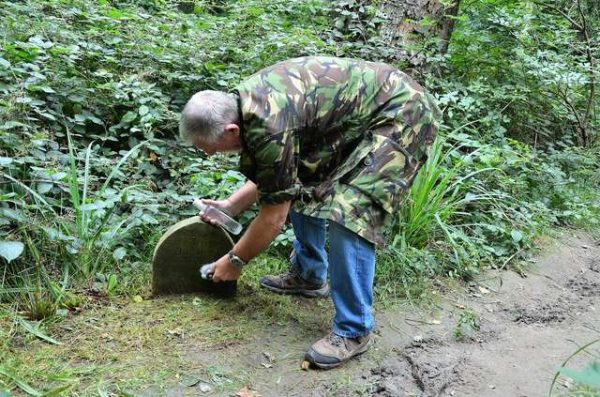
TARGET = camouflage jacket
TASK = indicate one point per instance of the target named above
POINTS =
(342, 139)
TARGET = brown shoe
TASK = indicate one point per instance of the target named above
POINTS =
(291, 283)
(334, 350)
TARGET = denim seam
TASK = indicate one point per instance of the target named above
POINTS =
(357, 264)
(306, 224)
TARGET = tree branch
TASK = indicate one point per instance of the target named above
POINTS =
(590, 58)
(565, 15)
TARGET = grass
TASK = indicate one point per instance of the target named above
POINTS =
(118, 345)
(80, 233)
(587, 382)
(439, 207)
(468, 322)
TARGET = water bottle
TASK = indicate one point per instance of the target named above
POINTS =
(221, 218)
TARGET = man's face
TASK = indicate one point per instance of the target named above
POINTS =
(229, 142)
(208, 148)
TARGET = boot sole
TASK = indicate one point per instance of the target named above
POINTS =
(309, 357)
(309, 293)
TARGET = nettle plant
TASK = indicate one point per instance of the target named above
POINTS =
(92, 172)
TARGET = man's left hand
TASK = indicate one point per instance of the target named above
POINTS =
(225, 271)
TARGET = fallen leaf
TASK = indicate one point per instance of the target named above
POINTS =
(138, 299)
(246, 392)
(175, 332)
(484, 290)
(305, 365)
(189, 380)
(268, 356)
(204, 388)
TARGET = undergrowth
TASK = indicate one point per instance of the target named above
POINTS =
(92, 174)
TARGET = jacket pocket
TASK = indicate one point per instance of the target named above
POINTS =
(385, 174)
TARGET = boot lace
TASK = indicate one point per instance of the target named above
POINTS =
(335, 340)
(292, 274)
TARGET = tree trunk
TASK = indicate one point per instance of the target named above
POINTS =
(186, 7)
(413, 22)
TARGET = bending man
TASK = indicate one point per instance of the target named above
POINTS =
(327, 141)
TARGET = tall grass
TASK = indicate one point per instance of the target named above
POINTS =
(587, 381)
(71, 236)
(448, 202)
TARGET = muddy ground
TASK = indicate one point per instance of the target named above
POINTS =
(528, 324)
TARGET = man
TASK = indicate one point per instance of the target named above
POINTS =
(326, 141)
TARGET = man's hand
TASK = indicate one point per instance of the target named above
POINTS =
(223, 205)
(225, 271)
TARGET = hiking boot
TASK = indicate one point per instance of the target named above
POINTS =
(334, 350)
(291, 283)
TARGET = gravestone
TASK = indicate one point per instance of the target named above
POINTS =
(180, 253)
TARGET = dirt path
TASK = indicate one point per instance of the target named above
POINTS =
(528, 326)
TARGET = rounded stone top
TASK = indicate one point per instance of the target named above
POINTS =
(182, 250)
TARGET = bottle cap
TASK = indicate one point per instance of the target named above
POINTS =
(199, 205)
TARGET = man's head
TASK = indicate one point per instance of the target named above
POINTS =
(209, 121)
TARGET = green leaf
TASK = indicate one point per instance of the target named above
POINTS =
(119, 253)
(36, 331)
(11, 124)
(20, 384)
(589, 377)
(111, 283)
(44, 187)
(128, 117)
(5, 161)
(11, 250)
(47, 115)
(57, 391)
(4, 62)
(12, 214)
(516, 235)
(144, 110)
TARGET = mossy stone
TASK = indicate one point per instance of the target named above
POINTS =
(180, 253)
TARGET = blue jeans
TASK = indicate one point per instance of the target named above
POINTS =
(351, 263)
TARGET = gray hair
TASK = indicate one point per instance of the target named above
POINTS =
(206, 114)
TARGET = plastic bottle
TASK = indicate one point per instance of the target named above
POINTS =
(218, 216)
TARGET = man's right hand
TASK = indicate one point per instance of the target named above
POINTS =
(223, 205)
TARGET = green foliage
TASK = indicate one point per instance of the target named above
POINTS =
(468, 322)
(355, 30)
(90, 90)
(92, 173)
(517, 91)
(587, 380)
(524, 71)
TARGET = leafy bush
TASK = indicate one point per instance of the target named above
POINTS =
(90, 91)
(92, 172)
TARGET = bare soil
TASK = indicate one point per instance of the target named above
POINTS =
(528, 325)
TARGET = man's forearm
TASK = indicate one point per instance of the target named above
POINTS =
(265, 227)
(243, 198)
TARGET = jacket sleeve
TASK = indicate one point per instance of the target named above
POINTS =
(275, 168)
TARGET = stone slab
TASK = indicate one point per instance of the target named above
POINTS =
(180, 253)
